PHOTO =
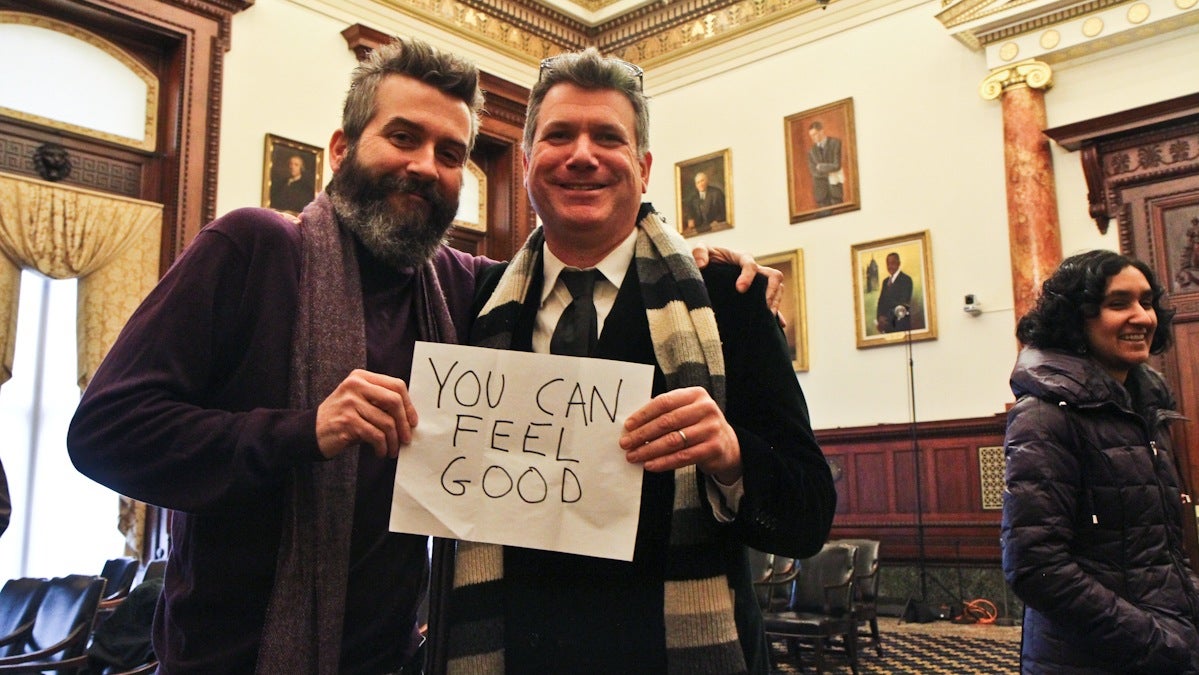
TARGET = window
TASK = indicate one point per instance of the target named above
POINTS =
(62, 522)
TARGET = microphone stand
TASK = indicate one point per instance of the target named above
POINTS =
(916, 611)
(916, 461)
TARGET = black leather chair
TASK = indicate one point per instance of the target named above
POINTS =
(865, 584)
(120, 573)
(19, 600)
(821, 610)
(155, 569)
(61, 627)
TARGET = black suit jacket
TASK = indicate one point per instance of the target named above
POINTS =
(294, 196)
(569, 613)
(891, 296)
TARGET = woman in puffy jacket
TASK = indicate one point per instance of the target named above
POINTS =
(1092, 515)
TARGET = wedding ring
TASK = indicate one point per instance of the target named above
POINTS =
(682, 436)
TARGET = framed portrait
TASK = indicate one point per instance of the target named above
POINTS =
(794, 308)
(893, 291)
(291, 174)
(822, 161)
(704, 193)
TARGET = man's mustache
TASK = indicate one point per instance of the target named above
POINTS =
(388, 185)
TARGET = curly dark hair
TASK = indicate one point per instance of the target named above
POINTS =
(1075, 292)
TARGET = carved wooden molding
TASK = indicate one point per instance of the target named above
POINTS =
(924, 430)
(1112, 147)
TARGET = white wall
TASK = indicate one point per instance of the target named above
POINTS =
(930, 156)
(286, 74)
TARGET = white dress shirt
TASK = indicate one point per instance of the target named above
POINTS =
(555, 297)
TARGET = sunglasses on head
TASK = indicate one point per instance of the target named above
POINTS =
(633, 69)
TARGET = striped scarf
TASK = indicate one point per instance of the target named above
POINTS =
(701, 635)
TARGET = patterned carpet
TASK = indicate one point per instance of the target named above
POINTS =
(916, 654)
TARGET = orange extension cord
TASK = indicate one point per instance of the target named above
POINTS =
(980, 610)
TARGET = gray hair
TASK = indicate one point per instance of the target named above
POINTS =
(421, 61)
(589, 69)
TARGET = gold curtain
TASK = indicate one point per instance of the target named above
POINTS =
(110, 243)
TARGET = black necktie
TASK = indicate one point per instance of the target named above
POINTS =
(576, 332)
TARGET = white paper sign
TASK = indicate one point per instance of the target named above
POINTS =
(521, 449)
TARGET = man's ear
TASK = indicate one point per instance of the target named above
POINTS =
(338, 146)
(645, 163)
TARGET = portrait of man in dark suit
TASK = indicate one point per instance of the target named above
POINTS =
(294, 187)
(704, 193)
(705, 207)
(824, 163)
(894, 299)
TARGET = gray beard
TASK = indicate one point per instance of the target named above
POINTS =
(403, 240)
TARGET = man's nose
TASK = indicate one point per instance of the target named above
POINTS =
(422, 163)
(582, 152)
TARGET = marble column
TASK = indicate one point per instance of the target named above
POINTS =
(1034, 236)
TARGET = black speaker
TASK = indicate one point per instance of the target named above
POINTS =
(917, 612)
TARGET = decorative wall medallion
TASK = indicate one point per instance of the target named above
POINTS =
(52, 162)
(1050, 39)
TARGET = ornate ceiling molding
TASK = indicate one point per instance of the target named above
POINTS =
(650, 35)
(1059, 30)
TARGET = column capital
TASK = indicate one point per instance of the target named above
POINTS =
(1030, 73)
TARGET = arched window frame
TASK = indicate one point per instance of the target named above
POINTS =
(150, 131)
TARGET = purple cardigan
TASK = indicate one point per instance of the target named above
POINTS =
(189, 412)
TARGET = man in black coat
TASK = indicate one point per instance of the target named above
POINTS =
(893, 313)
(726, 445)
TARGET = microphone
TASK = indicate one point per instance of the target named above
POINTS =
(900, 312)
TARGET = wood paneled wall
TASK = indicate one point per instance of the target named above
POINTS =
(876, 487)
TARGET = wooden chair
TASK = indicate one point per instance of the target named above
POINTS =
(122, 643)
(19, 600)
(865, 584)
(821, 607)
(61, 627)
(773, 576)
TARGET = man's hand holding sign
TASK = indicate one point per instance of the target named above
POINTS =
(522, 449)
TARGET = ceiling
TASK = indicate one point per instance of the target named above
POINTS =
(649, 33)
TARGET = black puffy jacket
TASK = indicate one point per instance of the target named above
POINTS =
(1092, 514)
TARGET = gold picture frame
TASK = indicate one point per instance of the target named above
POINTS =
(793, 308)
(713, 211)
(822, 162)
(890, 312)
(282, 189)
